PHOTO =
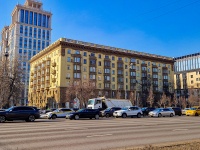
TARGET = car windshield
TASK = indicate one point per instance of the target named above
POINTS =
(144, 108)
(9, 109)
(57, 110)
(80, 110)
(107, 109)
(193, 108)
(157, 109)
(125, 108)
(91, 102)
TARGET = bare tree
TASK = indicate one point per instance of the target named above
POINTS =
(150, 97)
(82, 90)
(175, 100)
(163, 100)
(183, 102)
(11, 84)
(192, 97)
(118, 94)
(132, 98)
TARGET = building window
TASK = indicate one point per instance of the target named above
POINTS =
(68, 51)
(113, 57)
(99, 64)
(107, 71)
(34, 44)
(84, 69)
(48, 18)
(92, 76)
(35, 32)
(43, 44)
(30, 31)
(31, 17)
(77, 59)
(99, 55)
(84, 76)
(113, 72)
(99, 85)
(68, 59)
(119, 58)
(126, 59)
(39, 43)
(107, 78)
(92, 62)
(84, 53)
(77, 67)
(47, 35)
(113, 65)
(35, 19)
(106, 56)
(85, 61)
(77, 52)
(191, 81)
(44, 21)
(47, 44)
(43, 34)
(39, 19)
(39, 33)
(21, 28)
(113, 79)
(68, 67)
(133, 60)
(26, 31)
(26, 16)
(25, 42)
(197, 79)
(99, 78)
(22, 15)
(138, 62)
(191, 76)
(77, 75)
(30, 44)
(92, 69)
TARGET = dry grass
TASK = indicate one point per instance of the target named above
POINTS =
(193, 145)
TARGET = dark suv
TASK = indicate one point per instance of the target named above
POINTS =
(177, 110)
(146, 110)
(108, 112)
(26, 113)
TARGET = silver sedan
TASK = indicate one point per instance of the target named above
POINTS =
(159, 112)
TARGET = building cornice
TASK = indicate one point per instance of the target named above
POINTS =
(75, 44)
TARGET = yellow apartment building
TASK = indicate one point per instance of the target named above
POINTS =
(111, 69)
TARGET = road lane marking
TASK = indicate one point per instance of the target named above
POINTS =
(180, 130)
(98, 135)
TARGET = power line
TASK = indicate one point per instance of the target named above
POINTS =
(170, 11)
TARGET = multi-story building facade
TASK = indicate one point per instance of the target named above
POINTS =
(28, 34)
(186, 74)
(110, 68)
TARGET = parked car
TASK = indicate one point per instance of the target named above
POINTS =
(2, 109)
(146, 110)
(159, 112)
(19, 113)
(83, 113)
(108, 112)
(194, 111)
(58, 113)
(184, 111)
(128, 111)
(177, 111)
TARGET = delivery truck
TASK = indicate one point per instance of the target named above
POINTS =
(103, 103)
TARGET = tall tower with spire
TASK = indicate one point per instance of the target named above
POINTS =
(28, 33)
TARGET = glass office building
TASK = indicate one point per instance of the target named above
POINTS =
(28, 34)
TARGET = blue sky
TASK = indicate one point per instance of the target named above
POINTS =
(164, 27)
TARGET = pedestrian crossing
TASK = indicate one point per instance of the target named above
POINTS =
(64, 134)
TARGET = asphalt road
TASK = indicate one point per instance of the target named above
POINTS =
(86, 134)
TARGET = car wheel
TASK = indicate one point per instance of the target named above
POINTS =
(2, 119)
(159, 115)
(31, 118)
(53, 117)
(171, 115)
(76, 117)
(96, 116)
(139, 115)
(124, 115)
(107, 115)
(196, 114)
